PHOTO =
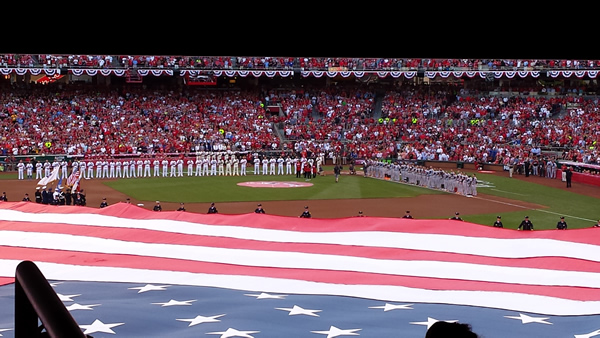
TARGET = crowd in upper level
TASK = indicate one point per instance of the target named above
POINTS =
(286, 63)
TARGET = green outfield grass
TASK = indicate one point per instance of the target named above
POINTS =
(580, 211)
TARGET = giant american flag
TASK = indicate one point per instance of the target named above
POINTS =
(126, 271)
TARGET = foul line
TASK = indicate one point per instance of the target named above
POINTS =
(539, 210)
(509, 192)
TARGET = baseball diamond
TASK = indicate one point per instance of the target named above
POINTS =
(421, 206)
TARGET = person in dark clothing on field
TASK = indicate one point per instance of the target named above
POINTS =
(568, 176)
(259, 209)
(61, 198)
(212, 209)
(68, 197)
(74, 197)
(498, 222)
(305, 213)
(45, 195)
(77, 199)
(38, 195)
(562, 224)
(337, 171)
(407, 214)
(456, 217)
(82, 198)
(525, 224)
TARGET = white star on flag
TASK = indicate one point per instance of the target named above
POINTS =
(76, 306)
(430, 321)
(2, 330)
(150, 287)
(266, 296)
(335, 332)
(234, 333)
(525, 319)
(588, 335)
(296, 310)
(390, 307)
(66, 298)
(201, 319)
(173, 302)
(98, 326)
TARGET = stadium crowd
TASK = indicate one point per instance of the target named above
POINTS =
(416, 123)
(285, 63)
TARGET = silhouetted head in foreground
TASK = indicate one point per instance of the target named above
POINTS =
(443, 329)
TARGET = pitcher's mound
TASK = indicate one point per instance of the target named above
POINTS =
(275, 184)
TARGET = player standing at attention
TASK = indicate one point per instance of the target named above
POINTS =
(21, 170)
(235, 162)
(180, 166)
(288, 165)
(256, 165)
(243, 165)
(165, 167)
(38, 170)
(156, 164)
(147, 167)
(280, 162)
(190, 166)
(125, 166)
(228, 165)
(265, 165)
(119, 168)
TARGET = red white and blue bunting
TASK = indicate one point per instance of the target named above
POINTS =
(305, 73)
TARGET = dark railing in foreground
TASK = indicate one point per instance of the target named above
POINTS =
(35, 299)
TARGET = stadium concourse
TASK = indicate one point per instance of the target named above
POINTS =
(420, 207)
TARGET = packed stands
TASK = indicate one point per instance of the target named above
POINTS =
(288, 63)
(467, 121)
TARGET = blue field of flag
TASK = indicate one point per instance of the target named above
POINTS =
(143, 310)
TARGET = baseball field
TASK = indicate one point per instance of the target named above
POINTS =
(543, 200)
